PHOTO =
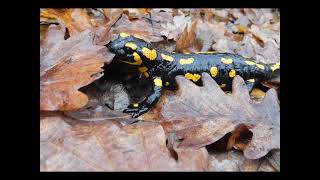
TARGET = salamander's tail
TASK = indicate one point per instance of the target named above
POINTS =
(274, 81)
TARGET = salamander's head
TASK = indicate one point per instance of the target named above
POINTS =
(131, 50)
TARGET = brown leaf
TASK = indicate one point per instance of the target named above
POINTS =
(69, 145)
(136, 13)
(209, 114)
(187, 41)
(173, 29)
(66, 66)
(232, 161)
(141, 28)
(208, 33)
(76, 20)
(100, 102)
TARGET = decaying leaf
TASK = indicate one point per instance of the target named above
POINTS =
(187, 41)
(141, 28)
(104, 104)
(70, 145)
(232, 161)
(172, 29)
(66, 66)
(209, 114)
(97, 136)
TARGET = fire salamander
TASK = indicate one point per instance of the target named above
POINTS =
(162, 67)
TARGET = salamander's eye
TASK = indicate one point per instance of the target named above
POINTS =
(128, 50)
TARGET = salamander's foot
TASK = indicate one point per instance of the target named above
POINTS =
(136, 110)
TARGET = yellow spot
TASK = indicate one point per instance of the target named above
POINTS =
(150, 54)
(143, 69)
(131, 45)
(232, 73)
(137, 58)
(136, 105)
(226, 61)
(157, 82)
(166, 57)
(260, 66)
(186, 53)
(209, 52)
(146, 74)
(222, 85)
(214, 71)
(186, 61)
(251, 80)
(193, 77)
(124, 35)
(275, 66)
(250, 62)
(167, 83)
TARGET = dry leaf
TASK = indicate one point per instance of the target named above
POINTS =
(76, 20)
(187, 41)
(208, 33)
(232, 161)
(209, 114)
(66, 66)
(69, 145)
(141, 28)
(173, 29)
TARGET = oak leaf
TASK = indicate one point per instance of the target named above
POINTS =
(202, 115)
(71, 145)
(66, 66)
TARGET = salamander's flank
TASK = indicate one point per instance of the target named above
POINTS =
(161, 67)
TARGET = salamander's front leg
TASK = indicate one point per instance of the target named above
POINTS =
(144, 106)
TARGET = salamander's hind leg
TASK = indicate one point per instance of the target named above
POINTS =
(138, 109)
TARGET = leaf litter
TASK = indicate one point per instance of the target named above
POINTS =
(73, 44)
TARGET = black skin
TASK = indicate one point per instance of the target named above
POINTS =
(168, 70)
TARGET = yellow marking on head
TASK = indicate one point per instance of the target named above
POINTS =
(250, 62)
(143, 69)
(131, 45)
(193, 77)
(167, 83)
(214, 71)
(137, 58)
(167, 57)
(226, 61)
(232, 73)
(186, 61)
(275, 66)
(186, 53)
(124, 35)
(157, 82)
(209, 52)
(251, 80)
(146, 74)
(223, 85)
(260, 66)
(150, 54)
(136, 105)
